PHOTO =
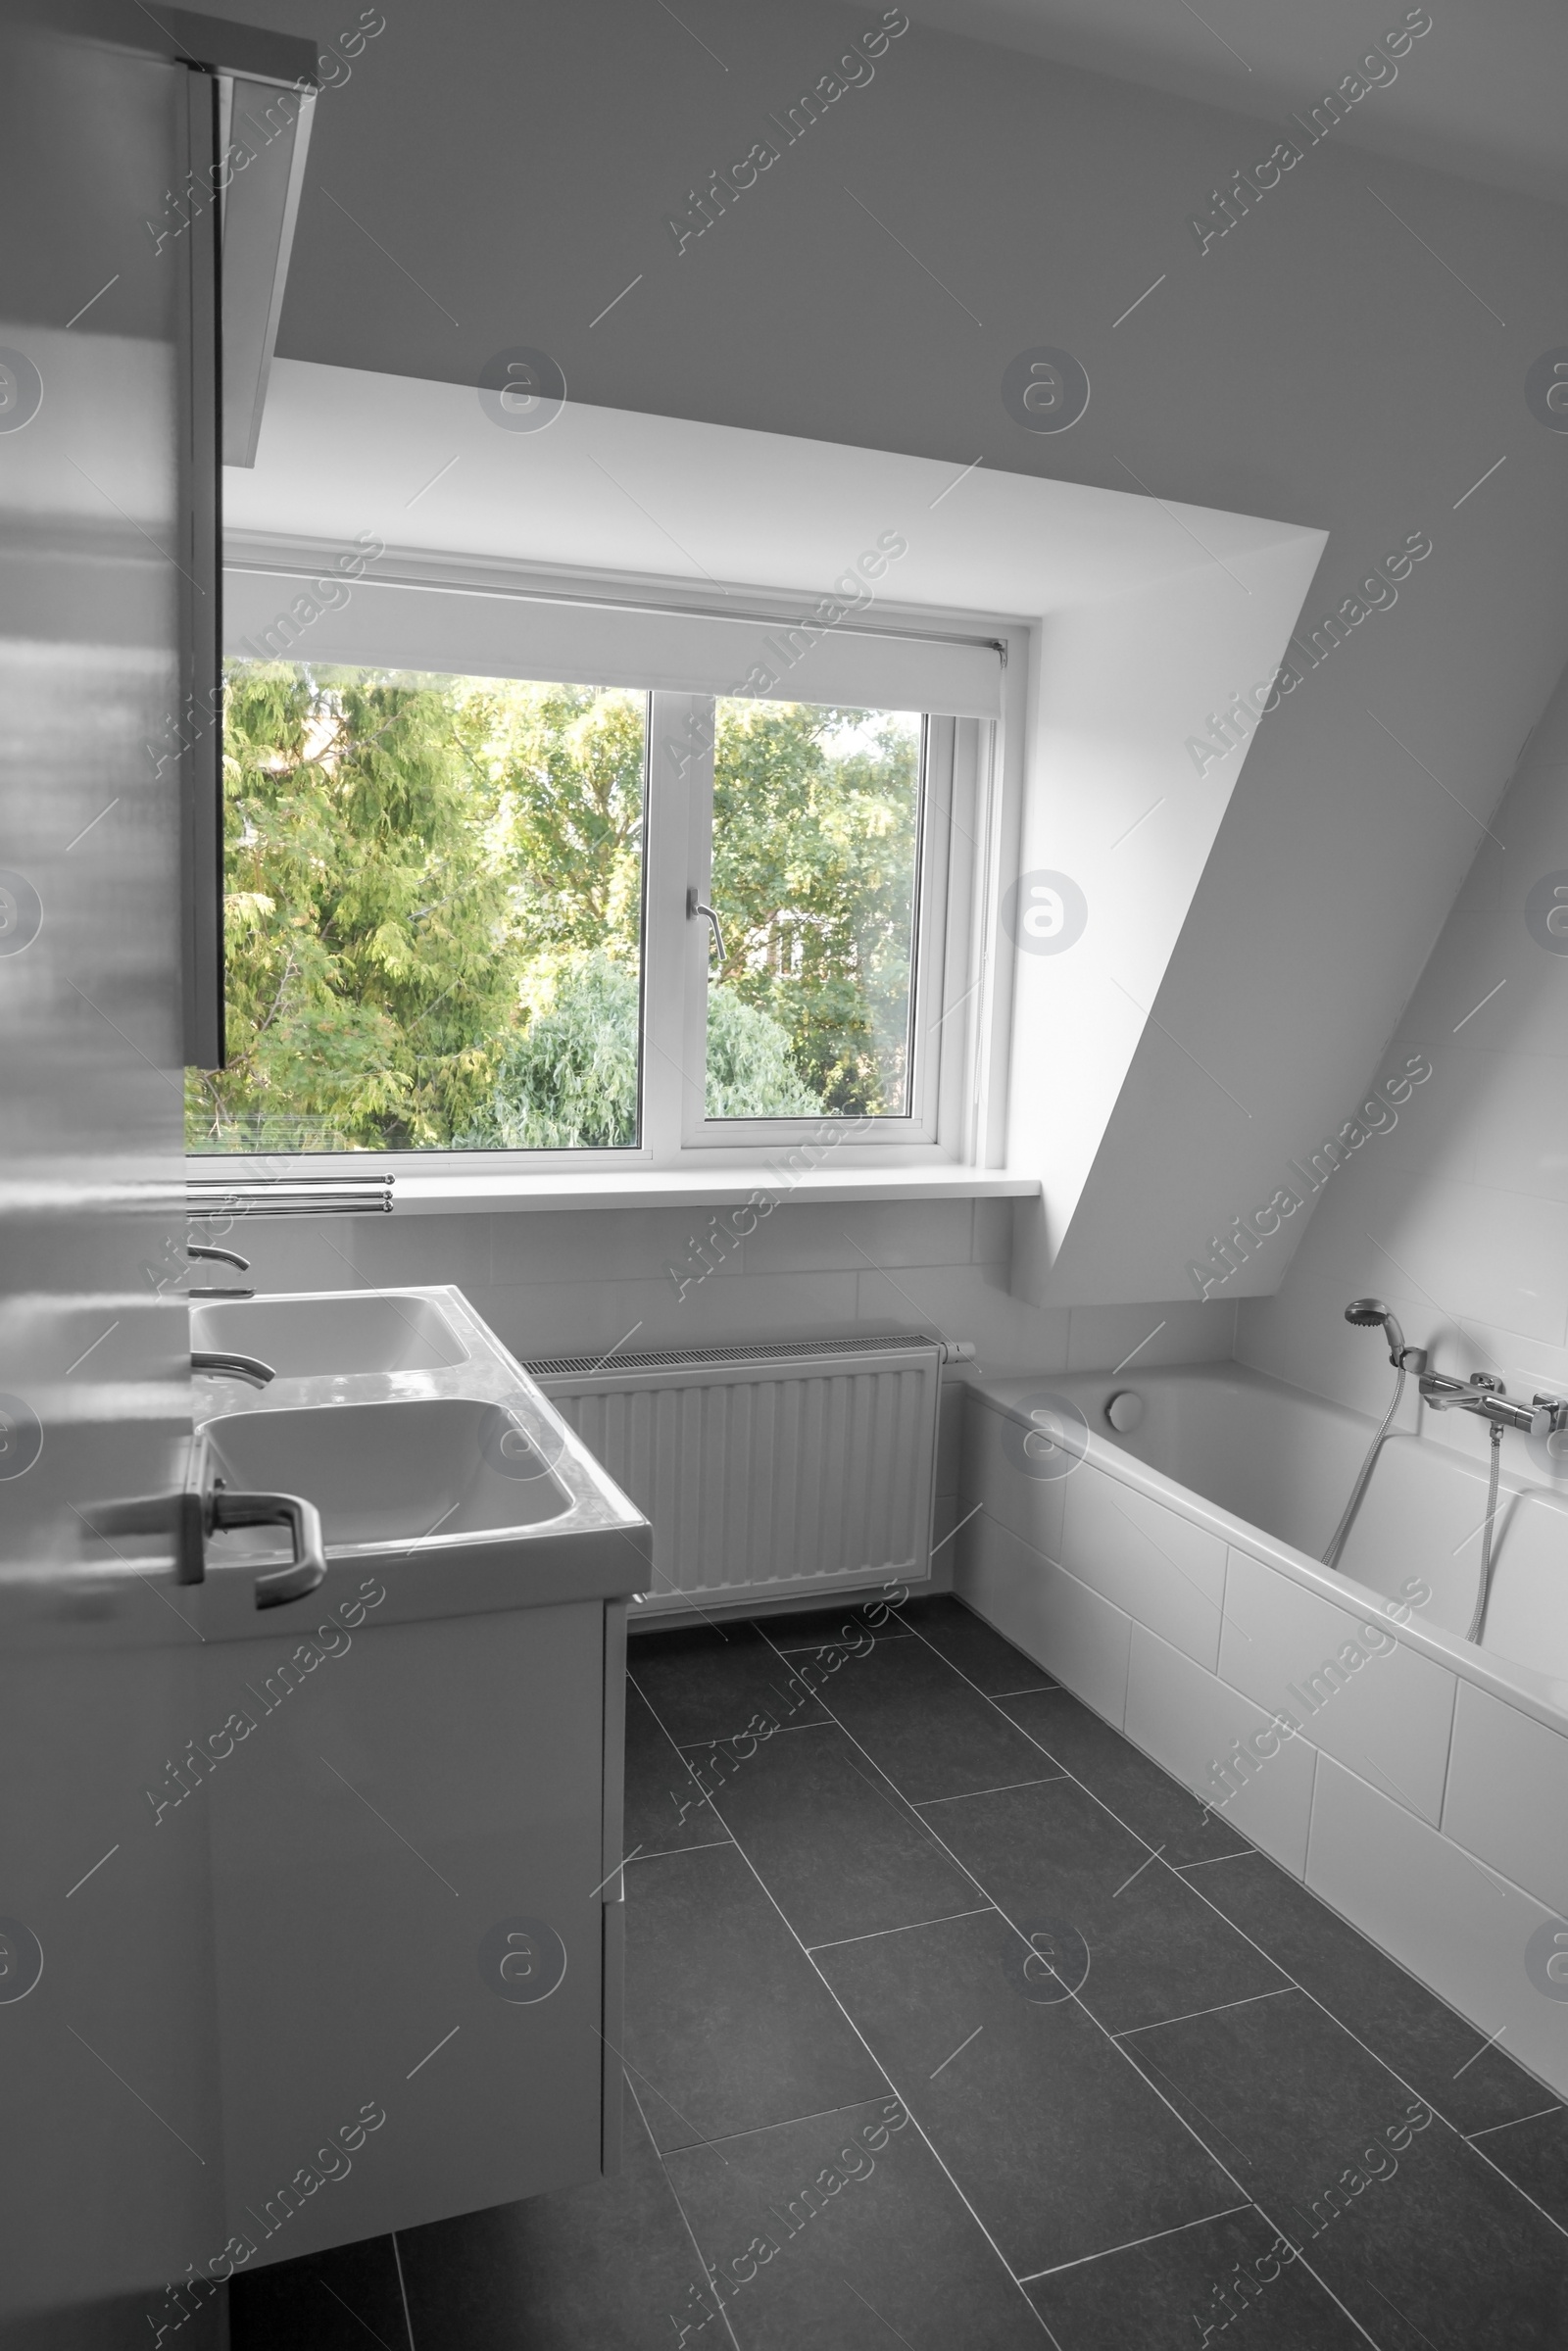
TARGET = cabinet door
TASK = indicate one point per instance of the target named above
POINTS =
(406, 1857)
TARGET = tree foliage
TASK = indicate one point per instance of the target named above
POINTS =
(432, 913)
(814, 874)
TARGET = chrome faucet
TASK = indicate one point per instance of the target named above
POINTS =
(220, 1257)
(1482, 1395)
(233, 1367)
(1489, 1399)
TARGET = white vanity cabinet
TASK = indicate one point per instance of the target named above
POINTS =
(408, 1781)
(414, 1856)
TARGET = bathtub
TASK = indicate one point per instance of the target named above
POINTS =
(1169, 1575)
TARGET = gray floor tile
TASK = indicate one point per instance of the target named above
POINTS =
(1058, 2142)
(846, 2234)
(728, 2026)
(1155, 1950)
(837, 1848)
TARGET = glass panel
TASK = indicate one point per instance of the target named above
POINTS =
(105, 2195)
(433, 914)
(817, 832)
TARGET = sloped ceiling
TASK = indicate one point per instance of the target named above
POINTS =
(1481, 95)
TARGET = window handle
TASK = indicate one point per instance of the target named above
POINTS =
(694, 907)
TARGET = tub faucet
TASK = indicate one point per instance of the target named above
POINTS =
(1490, 1399)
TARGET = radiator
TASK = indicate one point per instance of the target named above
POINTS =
(766, 1470)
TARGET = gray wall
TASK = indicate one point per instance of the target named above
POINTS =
(1458, 1216)
(508, 174)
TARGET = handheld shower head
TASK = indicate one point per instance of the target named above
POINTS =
(1368, 1314)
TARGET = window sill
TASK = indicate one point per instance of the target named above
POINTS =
(446, 1194)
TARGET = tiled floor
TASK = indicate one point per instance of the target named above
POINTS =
(856, 2097)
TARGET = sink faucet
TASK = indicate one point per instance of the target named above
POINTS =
(233, 1367)
(220, 1257)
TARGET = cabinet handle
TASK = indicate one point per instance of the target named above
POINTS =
(200, 1506)
(303, 1521)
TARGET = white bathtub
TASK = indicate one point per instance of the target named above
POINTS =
(1170, 1577)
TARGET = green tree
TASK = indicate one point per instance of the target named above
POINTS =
(815, 821)
(365, 904)
(432, 907)
(401, 853)
(568, 1078)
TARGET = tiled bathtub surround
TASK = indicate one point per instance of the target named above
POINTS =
(852, 2118)
(1423, 1784)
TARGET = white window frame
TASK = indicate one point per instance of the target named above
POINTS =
(958, 1015)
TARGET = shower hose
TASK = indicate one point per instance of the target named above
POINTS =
(1331, 1557)
(1484, 1588)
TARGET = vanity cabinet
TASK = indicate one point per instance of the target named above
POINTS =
(415, 1837)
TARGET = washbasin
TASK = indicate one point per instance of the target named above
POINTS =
(346, 1333)
(394, 1474)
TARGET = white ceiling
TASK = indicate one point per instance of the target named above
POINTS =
(1481, 94)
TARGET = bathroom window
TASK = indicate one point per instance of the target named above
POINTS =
(814, 857)
(469, 910)
(432, 914)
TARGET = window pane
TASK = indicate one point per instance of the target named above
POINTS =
(433, 914)
(816, 831)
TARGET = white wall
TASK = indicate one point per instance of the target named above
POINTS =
(1459, 1217)
(555, 1283)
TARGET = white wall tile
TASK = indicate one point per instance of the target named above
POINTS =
(1388, 1719)
(1527, 1615)
(991, 1243)
(994, 1473)
(945, 1517)
(307, 1252)
(577, 1317)
(972, 1302)
(1058, 1622)
(1188, 1720)
(1182, 1331)
(1473, 1248)
(1157, 1565)
(396, 1251)
(810, 1237)
(599, 1245)
(952, 1411)
(1437, 1912)
(1421, 1523)
(1507, 1799)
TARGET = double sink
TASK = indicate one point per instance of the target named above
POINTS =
(418, 1440)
